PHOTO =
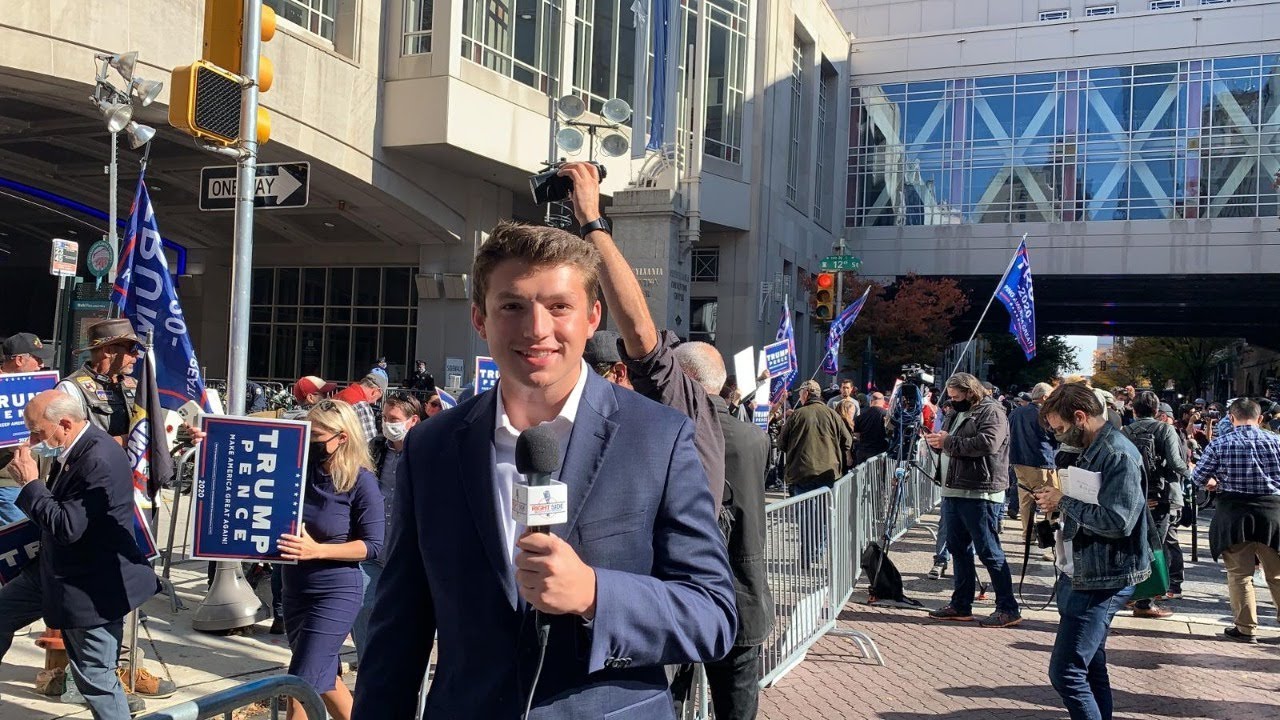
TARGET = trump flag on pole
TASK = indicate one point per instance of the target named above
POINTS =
(839, 326)
(1018, 297)
(144, 293)
(786, 331)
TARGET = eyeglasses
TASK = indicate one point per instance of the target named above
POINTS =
(327, 405)
(399, 396)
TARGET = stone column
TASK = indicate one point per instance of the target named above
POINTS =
(646, 227)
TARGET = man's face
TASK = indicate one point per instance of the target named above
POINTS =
(393, 414)
(24, 363)
(957, 395)
(877, 399)
(54, 433)
(1058, 425)
(846, 389)
(537, 319)
(117, 358)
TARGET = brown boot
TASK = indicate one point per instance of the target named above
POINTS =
(148, 685)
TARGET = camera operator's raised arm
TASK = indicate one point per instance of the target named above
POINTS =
(622, 291)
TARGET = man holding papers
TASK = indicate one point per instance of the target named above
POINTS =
(1102, 544)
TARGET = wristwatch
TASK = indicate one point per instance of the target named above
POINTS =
(600, 223)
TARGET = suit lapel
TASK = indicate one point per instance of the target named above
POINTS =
(474, 441)
(81, 447)
(592, 431)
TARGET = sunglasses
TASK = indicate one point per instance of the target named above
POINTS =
(435, 403)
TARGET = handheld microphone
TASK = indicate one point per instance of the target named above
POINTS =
(539, 502)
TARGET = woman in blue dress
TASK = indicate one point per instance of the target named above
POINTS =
(342, 526)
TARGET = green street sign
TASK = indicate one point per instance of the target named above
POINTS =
(840, 262)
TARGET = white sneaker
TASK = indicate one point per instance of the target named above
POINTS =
(1048, 555)
(939, 569)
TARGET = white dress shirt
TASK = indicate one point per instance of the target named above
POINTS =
(504, 445)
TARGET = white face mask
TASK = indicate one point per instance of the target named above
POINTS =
(395, 432)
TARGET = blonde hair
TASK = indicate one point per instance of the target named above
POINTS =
(337, 417)
(848, 409)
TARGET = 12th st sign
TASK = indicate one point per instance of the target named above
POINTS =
(279, 185)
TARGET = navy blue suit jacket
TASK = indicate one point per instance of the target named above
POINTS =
(91, 570)
(639, 513)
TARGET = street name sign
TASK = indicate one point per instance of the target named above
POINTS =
(840, 262)
(278, 185)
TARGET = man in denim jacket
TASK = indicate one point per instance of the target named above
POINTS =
(1102, 548)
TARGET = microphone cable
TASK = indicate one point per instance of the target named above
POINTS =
(544, 633)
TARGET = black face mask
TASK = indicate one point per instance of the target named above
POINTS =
(961, 405)
(320, 451)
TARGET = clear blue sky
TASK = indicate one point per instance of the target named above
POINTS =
(1084, 345)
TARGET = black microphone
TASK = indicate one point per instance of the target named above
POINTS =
(537, 457)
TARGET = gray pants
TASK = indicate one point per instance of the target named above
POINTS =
(93, 651)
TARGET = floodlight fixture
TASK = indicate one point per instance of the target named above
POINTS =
(616, 111)
(571, 106)
(124, 64)
(145, 90)
(614, 145)
(117, 114)
(569, 139)
(139, 134)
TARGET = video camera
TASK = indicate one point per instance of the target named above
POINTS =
(548, 186)
(918, 374)
(906, 409)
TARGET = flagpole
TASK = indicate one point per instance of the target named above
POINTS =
(990, 300)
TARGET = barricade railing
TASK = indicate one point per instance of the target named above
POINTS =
(225, 702)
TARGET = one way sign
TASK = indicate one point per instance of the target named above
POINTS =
(279, 185)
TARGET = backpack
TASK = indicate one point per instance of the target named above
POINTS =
(1153, 465)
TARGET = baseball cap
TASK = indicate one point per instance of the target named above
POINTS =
(25, 344)
(812, 386)
(311, 384)
(377, 378)
(602, 348)
(1164, 408)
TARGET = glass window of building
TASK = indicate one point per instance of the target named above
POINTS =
(516, 38)
(1215, 2)
(417, 27)
(797, 115)
(316, 16)
(726, 75)
(1165, 4)
(706, 264)
(1099, 10)
(1187, 139)
(702, 319)
(604, 52)
(827, 91)
(332, 322)
(1051, 15)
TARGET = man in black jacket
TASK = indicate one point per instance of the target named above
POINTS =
(90, 572)
(734, 680)
(974, 472)
(1165, 469)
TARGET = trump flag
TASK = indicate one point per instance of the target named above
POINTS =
(1018, 297)
(839, 326)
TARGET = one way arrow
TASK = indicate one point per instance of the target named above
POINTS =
(279, 186)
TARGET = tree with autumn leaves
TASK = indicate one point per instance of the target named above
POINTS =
(910, 321)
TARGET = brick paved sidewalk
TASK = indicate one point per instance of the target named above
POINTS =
(1175, 668)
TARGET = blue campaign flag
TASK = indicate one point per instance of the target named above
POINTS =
(447, 401)
(145, 294)
(249, 485)
(16, 391)
(839, 326)
(659, 20)
(486, 373)
(786, 331)
(19, 543)
(1018, 297)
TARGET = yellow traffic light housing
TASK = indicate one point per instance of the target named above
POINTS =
(205, 102)
(224, 38)
(824, 297)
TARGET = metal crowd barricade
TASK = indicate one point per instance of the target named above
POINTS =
(179, 483)
(226, 702)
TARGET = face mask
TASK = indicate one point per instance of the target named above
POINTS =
(44, 450)
(320, 452)
(1073, 436)
(395, 432)
(961, 405)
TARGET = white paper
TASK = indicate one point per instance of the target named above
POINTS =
(1081, 484)
(745, 368)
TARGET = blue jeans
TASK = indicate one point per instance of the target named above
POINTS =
(9, 512)
(976, 524)
(1078, 666)
(372, 570)
(940, 554)
(93, 652)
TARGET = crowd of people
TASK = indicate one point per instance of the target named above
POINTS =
(408, 543)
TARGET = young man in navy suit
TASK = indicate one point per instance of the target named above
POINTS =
(636, 579)
(90, 572)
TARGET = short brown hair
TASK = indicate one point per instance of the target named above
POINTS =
(970, 384)
(404, 401)
(1066, 399)
(536, 245)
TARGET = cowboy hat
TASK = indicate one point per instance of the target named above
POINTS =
(105, 332)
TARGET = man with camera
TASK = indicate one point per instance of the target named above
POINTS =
(1102, 546)
(1244, 466)
(1165, 469)
(974, 472)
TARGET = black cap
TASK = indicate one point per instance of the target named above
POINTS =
(602, 348)
(26, 344)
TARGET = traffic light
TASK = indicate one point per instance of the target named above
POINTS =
(824, 297)
(205, 97)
